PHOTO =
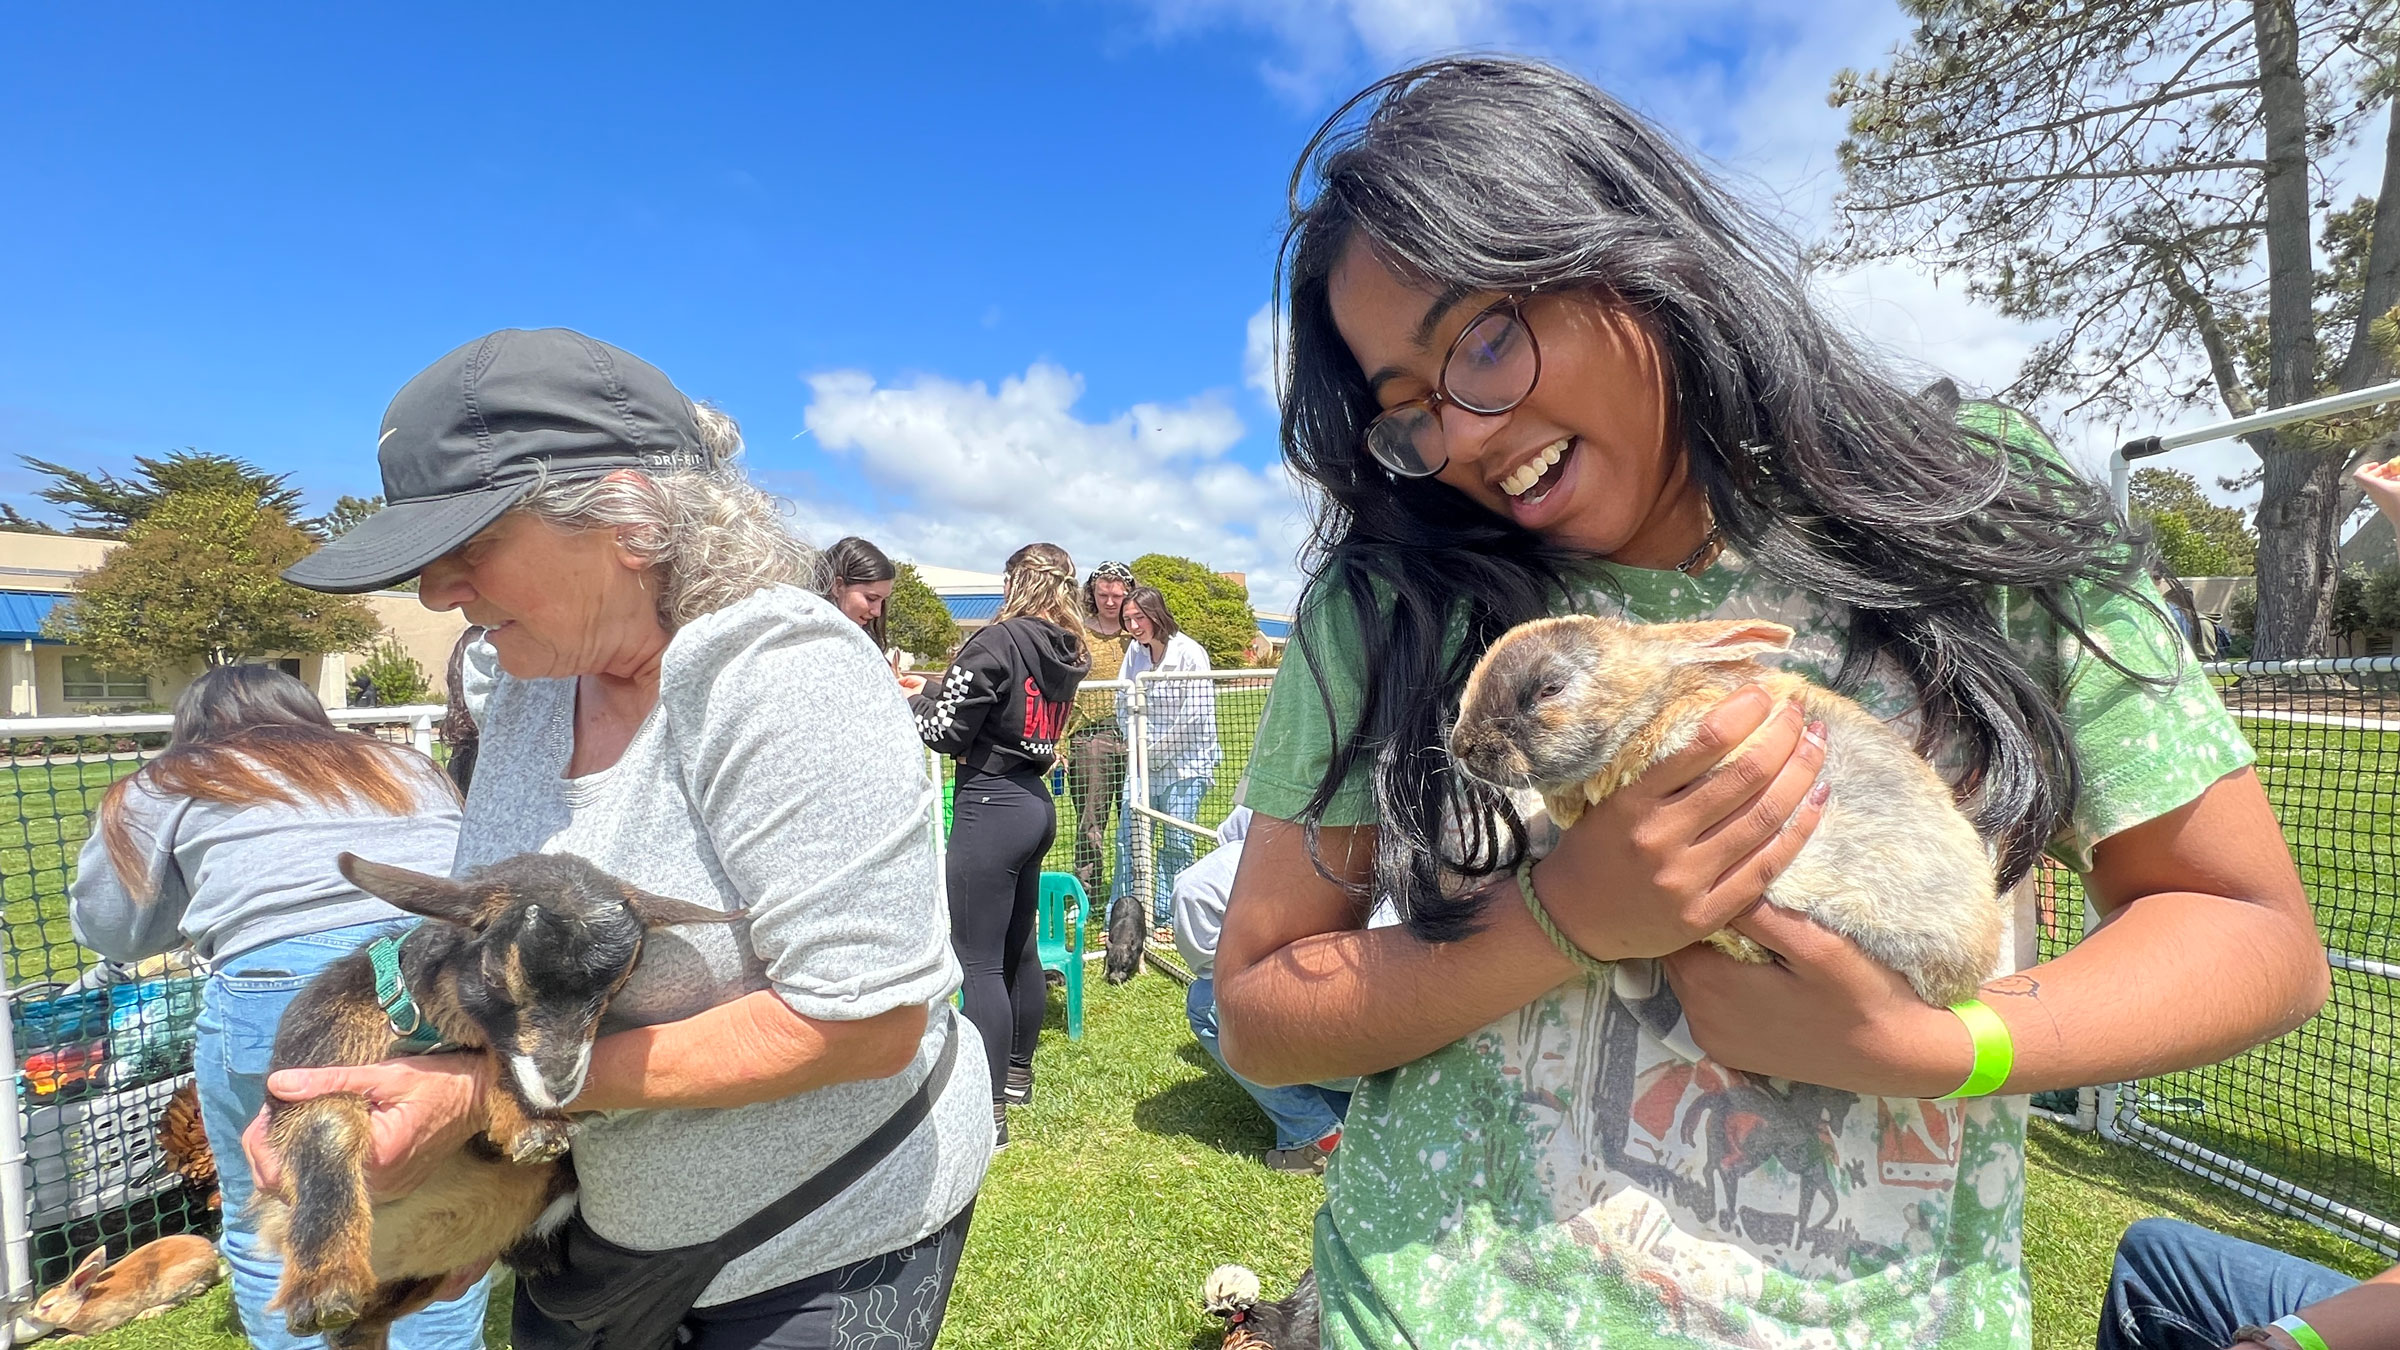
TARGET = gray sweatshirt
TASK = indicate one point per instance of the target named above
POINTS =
(781, 773)
(230, 878)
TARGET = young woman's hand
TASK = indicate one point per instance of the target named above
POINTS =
(1824, 1013)
(420, 1111)
(1692, 842)
(2381, 482)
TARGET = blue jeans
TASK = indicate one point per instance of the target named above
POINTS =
(2177, 1287)
(1303, 1113)
(1180, 798)
(238, 1016)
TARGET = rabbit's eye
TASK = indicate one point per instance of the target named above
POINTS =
(1551, 689)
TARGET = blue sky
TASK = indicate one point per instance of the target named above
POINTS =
(968, 274)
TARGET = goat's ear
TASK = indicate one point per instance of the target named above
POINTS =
(432, 897)
(1732, 639)
(658, 911)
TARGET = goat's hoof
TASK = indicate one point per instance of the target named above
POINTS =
(540, 1141)
(327, 1312)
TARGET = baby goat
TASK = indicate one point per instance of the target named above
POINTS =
(519, 963)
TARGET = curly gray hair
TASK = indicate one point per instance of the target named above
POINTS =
(710, 535)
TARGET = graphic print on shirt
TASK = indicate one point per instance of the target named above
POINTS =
(1044, 720)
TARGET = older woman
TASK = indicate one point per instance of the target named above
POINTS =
(675, 706)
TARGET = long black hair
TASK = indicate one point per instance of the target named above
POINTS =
(1152, 602)
(1489, 174)
(853, 561)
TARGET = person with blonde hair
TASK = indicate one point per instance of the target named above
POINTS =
(999, 712)
(226, 843)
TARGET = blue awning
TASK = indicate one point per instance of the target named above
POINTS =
(1278, 629)
(22, 612)
(972, 608)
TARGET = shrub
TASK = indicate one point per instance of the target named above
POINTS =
(916, 621)
(397, 677)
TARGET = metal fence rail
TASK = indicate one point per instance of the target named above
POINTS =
(100, 1051)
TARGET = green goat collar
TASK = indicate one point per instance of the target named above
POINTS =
(417, 1035)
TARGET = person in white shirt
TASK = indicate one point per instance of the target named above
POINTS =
(1183, 754)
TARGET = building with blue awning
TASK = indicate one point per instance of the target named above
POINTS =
(43, 677)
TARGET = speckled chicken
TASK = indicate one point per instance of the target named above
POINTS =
(1290, 1323)
(184, 1143)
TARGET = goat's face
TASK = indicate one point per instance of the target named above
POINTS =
(553, 940)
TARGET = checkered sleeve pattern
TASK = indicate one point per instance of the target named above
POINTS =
(949, 721)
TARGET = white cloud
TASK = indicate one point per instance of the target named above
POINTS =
(1264, 344)
(967, 473)
(1320, 42)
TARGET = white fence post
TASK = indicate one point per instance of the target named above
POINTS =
(1137, 792)
(16, 1229)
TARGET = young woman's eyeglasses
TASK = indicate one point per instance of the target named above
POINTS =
(1490, 368)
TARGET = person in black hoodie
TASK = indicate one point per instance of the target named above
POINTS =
(999, 712)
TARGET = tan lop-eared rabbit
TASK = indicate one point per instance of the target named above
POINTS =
(1576, 708)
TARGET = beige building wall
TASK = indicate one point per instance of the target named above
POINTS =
(421, 632)
(33, 673)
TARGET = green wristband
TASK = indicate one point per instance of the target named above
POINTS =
(2302, 1334)
(1541, 919)
(1995, 1053)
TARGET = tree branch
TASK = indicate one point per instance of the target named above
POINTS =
(1957, 187)
(2159, 100)
(2365, 362)
(2211, 329)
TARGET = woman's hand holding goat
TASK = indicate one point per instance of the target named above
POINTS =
(421, 1111)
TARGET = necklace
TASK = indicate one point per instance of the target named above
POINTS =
(1703, 555)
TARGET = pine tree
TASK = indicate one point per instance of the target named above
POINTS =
(2150, 174)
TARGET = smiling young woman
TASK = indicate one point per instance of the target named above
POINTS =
(1539, 363)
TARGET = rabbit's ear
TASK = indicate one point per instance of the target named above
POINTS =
(88, 1269)
(1733, 639)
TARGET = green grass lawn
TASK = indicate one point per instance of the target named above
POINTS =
(1137, 1170)
(45, 814)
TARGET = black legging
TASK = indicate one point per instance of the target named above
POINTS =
(1001, 827)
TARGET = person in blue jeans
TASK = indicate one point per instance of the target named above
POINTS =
(226, 842)
(1182, 754)
(1307, 1116)
(2179, 1287)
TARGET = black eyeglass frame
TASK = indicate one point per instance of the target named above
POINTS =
(1432, 403)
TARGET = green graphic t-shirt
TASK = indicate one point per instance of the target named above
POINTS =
(1578, 1174)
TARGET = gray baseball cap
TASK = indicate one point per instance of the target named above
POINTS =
(475, 431)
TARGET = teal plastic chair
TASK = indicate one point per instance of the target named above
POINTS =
(1061, 940)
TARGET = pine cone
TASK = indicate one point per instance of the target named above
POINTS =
(185, 1143)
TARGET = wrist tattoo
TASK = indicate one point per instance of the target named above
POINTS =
(2015, 986)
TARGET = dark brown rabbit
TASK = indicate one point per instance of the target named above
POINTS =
(519, 963)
